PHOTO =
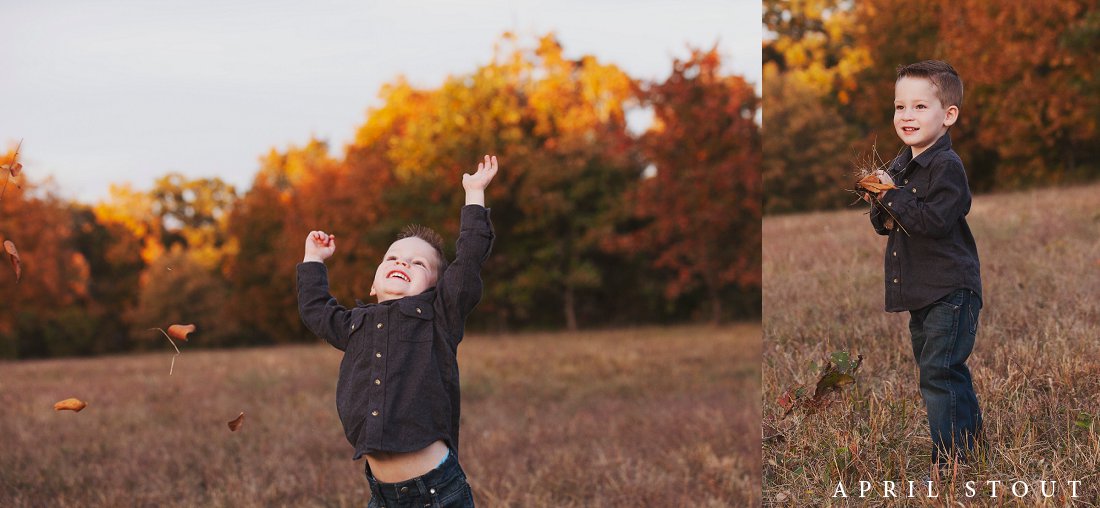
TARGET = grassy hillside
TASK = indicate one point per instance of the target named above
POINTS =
(615, 418)
(1036, 363)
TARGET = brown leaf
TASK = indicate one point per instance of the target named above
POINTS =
(74, 405)
(236, 423)
(16, 263)
(180, 332)
(12, 169)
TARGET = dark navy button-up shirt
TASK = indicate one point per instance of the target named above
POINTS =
(938, 255)
(398, 387)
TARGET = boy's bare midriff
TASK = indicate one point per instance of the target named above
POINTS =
(390, 467)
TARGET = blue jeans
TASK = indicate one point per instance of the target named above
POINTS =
(943, 337)
(443, 487)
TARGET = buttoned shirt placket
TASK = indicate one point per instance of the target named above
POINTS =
(378, 348)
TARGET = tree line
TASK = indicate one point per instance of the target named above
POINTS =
(1031, 76)
(596, 225)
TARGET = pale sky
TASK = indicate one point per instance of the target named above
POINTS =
(129, 90)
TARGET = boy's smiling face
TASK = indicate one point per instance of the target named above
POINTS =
(920, 118)
(410, 267)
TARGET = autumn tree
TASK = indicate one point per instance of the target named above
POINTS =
(46, 312)
(702, 207)
(558, 127)
(294, 191)
(185, 281)
(808, 150)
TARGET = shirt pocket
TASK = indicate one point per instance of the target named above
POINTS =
(918, 187)
(417, 326)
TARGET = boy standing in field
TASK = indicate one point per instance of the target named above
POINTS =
(931, 263)
(398, 391)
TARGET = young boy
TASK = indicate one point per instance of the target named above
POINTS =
(931, 260)
(398, 393)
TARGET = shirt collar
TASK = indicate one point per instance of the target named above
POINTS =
(944, 143)
(922, 160)
(428, 294)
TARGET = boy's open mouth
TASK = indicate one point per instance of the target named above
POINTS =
(398, 274)
(910, 129)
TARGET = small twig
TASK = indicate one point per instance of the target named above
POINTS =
(170, 341)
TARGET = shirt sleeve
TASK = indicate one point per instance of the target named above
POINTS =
(947, 199)
(460, 287)
(878, 220)
(319, 310)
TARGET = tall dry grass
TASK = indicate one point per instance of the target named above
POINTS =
(1035, 363)
(643, 417)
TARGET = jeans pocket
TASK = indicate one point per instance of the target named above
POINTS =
(973, 311)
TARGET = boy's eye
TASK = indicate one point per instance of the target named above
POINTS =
(899, 106)
(390, 258)
(920, 106)
(421, 263)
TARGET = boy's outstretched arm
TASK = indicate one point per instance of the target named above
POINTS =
(460, 286)
(319, 310)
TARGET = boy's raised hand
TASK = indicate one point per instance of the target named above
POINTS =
(319, 246)
(476, 183)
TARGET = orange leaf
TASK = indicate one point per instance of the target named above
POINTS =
(16, 263)
(236, 423)
(74, 405)
(180, 332)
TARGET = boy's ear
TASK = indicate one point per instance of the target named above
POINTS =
(372, 291)
(952, 116)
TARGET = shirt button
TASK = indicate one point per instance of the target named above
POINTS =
(905, 181)
(377, 381)
(374, 413)
(914, 190)
(404, 490)
(352, 327)
(895, 253)
(891, 203)
(895, 281)
(379, 325)
(378, 355)
(418, 310)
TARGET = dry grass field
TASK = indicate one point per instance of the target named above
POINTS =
(1036, 363)
(641, 417)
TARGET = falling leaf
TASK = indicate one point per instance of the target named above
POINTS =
(12, 169)
(179, 332)
(237, 422)
(74, 405)
(16, 263)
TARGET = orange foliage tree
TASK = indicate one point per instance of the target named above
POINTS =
(702, 208)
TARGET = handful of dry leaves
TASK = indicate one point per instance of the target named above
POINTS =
(869, 185)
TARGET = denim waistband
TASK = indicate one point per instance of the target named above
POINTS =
(421, 486)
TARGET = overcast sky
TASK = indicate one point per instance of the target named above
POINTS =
(129, 90)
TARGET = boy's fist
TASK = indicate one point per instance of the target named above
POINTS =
(319, 246)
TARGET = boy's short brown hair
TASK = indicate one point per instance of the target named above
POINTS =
(428, 235)
(949, 86)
